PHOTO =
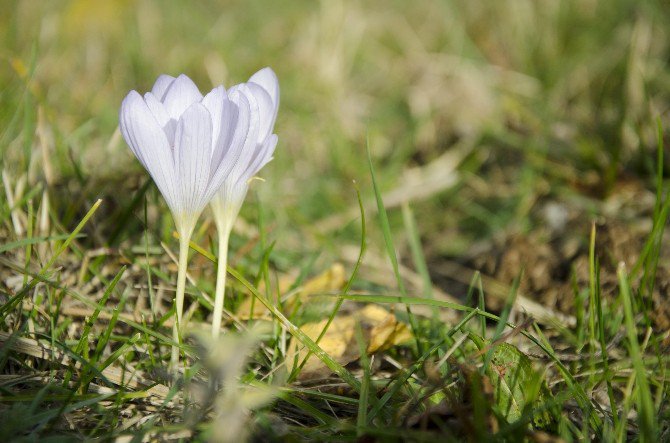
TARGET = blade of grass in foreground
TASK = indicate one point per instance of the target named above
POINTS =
(361, 421)
(645, 405)
(390, 249)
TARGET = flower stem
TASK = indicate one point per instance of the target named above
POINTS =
(224, 235)
(179, 301)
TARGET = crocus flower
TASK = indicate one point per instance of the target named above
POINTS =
(187, 143)
(262, 92)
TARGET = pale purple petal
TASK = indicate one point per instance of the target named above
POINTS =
(162, 84)
(241, 162)
(239, 133)
(262, 156)
(266, 110)
(267, 79)
(148, 142)
(168, 124)
(224, 120)
(193, 151)
(214, 102)
(228, 123)
(181, 94)
(195, 147)
(236, 129)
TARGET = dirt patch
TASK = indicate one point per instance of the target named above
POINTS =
(555, 264)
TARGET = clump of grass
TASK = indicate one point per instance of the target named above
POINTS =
(455, 380)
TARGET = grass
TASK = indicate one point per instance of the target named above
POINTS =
(491, 176)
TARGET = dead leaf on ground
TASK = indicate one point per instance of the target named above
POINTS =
(332, 279)
(381, 330)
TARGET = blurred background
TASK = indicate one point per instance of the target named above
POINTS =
(487, 119)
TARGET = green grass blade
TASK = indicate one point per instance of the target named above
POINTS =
(390, 249)
(418, 257)
(361, 420)
(646, 414)
(72, 236)
(347, 285)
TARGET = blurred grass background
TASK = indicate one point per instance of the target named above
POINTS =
(476, 112)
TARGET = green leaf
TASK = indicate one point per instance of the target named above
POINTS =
(514, 382)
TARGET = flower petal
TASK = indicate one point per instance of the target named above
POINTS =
(148, 142)
(193, 151)
(168, 124)
(162, 84)
(235, 134)
(266, 111)
(246, 151)
(267, 79)
(181, 94)
(215, 102)
(228, 124)
(262, 156)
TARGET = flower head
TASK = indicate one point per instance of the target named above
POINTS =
(184, 140)
(262, 92)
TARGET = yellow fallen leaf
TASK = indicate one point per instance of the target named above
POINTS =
(338, 342)
(330, 280)
(386, 331)
(381, 330)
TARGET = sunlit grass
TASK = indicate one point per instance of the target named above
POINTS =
(462, 124)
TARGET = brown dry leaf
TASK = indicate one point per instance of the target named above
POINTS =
(381, 330)
(338, 342)
(330, 280)
(386, 330)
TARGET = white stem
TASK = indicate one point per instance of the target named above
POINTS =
(179, 301)
(225, 207)
(224, 235)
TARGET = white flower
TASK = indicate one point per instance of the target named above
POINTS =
(189, 144)
(185, 141)
(262, 93)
